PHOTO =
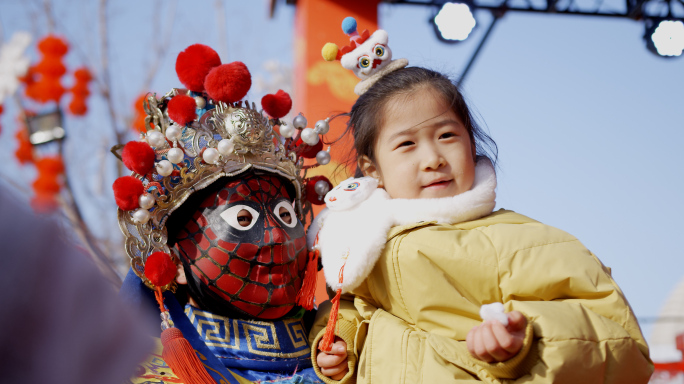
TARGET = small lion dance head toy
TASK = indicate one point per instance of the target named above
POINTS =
(368, 56)
(216, 189)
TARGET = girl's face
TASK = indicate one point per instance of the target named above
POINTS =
(423, 150)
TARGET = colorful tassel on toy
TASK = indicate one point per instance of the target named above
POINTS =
(329, 336)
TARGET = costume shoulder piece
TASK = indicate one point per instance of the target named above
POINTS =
(368, 56)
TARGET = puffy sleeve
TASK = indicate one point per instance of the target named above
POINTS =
(352, 325)
(584, 330)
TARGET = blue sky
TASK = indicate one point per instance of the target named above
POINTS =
(588, 122)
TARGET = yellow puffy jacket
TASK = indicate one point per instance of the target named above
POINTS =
(407, 322)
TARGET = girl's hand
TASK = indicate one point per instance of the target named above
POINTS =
(491, 341)
(333, 364)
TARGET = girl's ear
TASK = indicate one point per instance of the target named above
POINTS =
(180, 275)
(473, 149)
(368, 168)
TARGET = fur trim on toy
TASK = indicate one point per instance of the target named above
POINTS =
(358, 229)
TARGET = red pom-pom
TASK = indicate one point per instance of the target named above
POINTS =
(228, 82)
(193, 65)
(311, 194)
(138, 156)
(310, 151)
(127, 190)
(160, 269)
(277, 105)
(181, 109)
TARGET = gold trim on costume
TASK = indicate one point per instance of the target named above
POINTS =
(261, 336)
(297, 333)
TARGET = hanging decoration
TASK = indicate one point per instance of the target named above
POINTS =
(24, 152)
(80, 92)
(42, 84)
(50, 69)
(48, 183)
(139, 119)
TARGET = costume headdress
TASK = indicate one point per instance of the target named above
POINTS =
(194, 137)
(368, 56)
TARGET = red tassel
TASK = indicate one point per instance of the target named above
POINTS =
(181, 357)
(305, 297)
(179, 354)
(329, 337)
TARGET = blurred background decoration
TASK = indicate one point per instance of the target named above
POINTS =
(588, 122)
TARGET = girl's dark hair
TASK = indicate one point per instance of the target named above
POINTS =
(367, 114)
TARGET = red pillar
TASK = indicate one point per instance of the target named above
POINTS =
(323, 89)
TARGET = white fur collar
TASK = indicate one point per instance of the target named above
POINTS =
(359, 233)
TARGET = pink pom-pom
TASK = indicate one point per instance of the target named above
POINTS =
(193, 65)
(228, 82)
(127, 190)
(138, 156)
(160, 269)
(277, 105)
(181, 109)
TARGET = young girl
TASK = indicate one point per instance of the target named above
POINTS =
(417, 259)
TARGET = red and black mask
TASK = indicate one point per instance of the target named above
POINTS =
(244, 250)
